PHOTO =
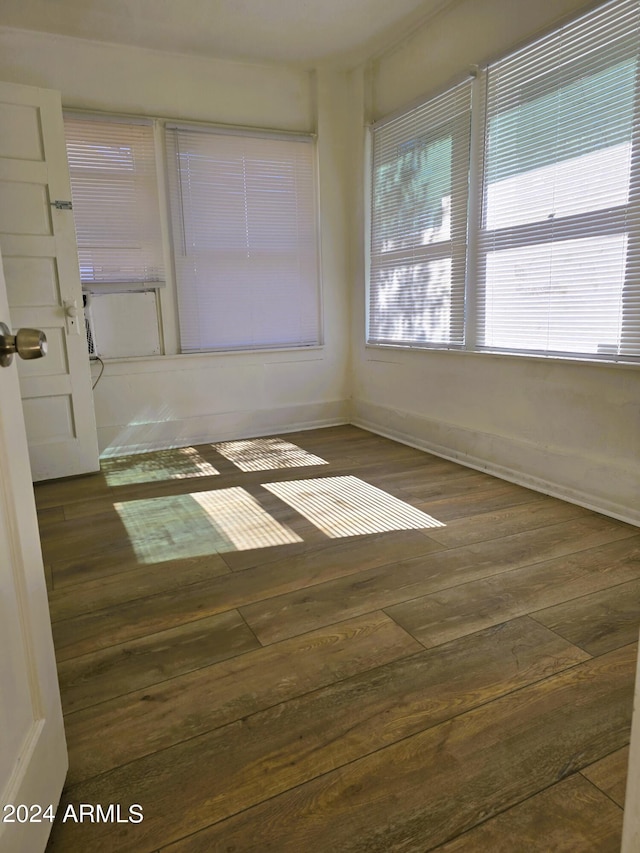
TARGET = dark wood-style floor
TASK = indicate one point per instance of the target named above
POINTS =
(460, 687)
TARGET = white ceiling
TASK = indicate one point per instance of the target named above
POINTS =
(300, 31)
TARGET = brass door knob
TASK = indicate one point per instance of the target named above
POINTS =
(27, 343)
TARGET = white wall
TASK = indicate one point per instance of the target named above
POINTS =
(116, 78)
(569, 429)
(174, 400)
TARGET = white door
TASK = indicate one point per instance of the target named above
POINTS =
(38, 244)
(33, 755)
(631, 827)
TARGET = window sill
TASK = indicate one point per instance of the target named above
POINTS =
(198, 361)
(546, 359)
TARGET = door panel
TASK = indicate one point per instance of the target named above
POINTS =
(33, 756)
(32, 281)
(41, 265)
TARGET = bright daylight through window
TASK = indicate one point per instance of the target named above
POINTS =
(235, 519)
(548, 260)
(115, 202)
(194, 525)
(243, 211)
(264, 454)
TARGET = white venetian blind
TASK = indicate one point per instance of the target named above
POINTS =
(245, 239)
(420, 169)
(115, 201)
(560, 240)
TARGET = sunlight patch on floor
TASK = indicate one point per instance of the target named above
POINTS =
(246, 524)
(178, 464)
(347, 506)
(182, 526)
(266, 454)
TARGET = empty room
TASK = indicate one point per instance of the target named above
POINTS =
(320, 433)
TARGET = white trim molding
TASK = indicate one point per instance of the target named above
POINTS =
(559, 472)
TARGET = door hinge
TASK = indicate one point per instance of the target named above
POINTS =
(62, 205)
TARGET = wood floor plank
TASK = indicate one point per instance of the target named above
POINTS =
(176, 526)
(74, 570)
(598, 622)
(263, 755)
(343, 733)
(129, 620)
(59, 492)
(568, 817)
(610, 774)
(376, 457)
(436, 488)
(313, 541)
(486, 498)
(505, 522)
(349, 442)
(292, 613)
(435, 784)
(232, 475)
(49, 517)
(103, 534)
(172, 526)
(442, 616)
(163, 488)
(162, 715)
(312, 538)
(99, 505)
(95, 677)
(402, 478)
(134, 583)
(179, 463)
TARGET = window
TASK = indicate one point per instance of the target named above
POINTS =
(115, 203)
(553, 248)
(243, 213)
(418, 239)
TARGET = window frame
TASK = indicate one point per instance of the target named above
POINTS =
(453, 248)
(151, 203)
(613, 220)
(165, 290)
(177, 235)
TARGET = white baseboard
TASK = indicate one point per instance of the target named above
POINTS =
(455, 443)
(167, 434)
(557, 472)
